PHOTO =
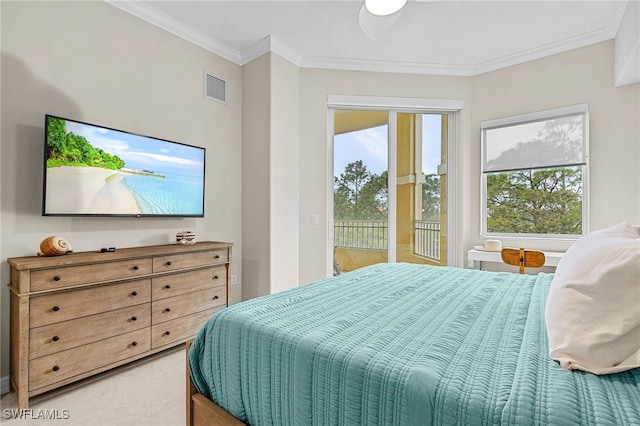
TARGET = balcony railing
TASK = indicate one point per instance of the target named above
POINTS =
(365, 234)
(372, 234)
(427, 239)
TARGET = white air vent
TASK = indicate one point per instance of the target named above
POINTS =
(215, 88)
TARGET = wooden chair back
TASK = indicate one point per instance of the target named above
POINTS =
(523, 258)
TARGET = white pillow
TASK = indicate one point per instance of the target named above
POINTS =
(592, 312)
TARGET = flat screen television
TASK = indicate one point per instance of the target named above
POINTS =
(92, 170)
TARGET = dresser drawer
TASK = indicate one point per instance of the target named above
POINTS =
(186, 282)
(190, 260)
(179, 306)
(179, 329)
(94, 273)
(49, 309)
(65, 335)
(63, 365)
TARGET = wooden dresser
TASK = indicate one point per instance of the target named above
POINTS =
(80, 314)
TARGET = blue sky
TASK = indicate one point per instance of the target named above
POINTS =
(370, 146)
(140, 152)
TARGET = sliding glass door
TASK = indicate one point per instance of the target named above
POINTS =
(389, 188)
(360, 189)
(421, 182)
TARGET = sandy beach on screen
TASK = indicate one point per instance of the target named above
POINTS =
(88, 190)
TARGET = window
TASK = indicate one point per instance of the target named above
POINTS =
(534, 174)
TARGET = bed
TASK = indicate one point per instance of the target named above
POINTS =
(398, 344)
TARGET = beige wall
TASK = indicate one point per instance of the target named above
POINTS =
(285, 169)
(91, 61)
(270, 160)
(256, 119)
(578, 76)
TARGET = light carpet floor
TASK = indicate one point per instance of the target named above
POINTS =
(151, 391)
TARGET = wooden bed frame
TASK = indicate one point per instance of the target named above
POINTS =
(201, 411)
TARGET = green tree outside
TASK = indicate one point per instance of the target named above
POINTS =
(360, 194)
(431, 197)
(544, 201)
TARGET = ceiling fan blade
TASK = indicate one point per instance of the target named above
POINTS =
(376, 27)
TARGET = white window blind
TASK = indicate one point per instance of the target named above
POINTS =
(553, 138)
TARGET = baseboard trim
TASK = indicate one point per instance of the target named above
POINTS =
(5, 385)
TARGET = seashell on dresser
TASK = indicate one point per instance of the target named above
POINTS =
(54, 246)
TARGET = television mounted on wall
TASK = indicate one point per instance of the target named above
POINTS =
(92, 170)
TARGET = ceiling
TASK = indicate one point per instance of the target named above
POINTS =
(450, 37)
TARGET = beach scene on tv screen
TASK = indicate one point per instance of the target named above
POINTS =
(93, 170)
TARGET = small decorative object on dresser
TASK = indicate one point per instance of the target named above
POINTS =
(186, 237)
(54, 246)
(78, 315)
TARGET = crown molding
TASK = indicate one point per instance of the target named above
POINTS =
(385, 66)
(270, 44)
(581, 40)
(177, 28)
(544, 51)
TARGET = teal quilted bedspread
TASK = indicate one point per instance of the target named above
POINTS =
(402, 344)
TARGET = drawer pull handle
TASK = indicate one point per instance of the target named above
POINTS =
(56, 308)
(167, 286)
(215, 277)
(55, 338)
(217, 256)
(168, 263)
(134, 318)
(56, 278)
(135, 267)
(134, 293)
(215, 297)
(134, 343)
(166, 333)
(55, 368)
(167, 310)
